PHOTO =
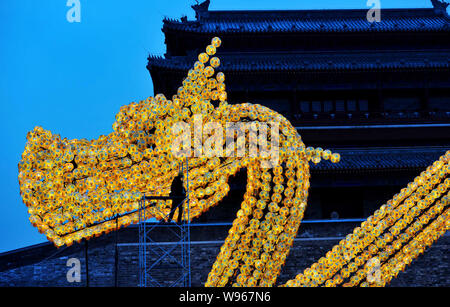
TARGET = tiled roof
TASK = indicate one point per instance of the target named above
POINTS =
(315, 61)
(382, 158)
(311, 21)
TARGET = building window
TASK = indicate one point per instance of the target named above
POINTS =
(340, 106)
(401, 104)
(351, 106)
(439, 103)
(342, 203)
(305, 107)
(328, 106)
(363, 105)
(317, 107)
(334, 106)
(281, 106)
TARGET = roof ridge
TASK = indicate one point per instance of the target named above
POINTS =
(316, 12)
(315, 61)
(311, 21)
(293, 54)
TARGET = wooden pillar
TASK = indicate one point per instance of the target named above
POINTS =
(425, 99)
(380, 98)
(116, 256)
(294, 102)
(86, 260)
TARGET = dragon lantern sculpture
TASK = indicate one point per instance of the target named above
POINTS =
(78, 189)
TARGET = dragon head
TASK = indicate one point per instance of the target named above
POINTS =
(77, 189)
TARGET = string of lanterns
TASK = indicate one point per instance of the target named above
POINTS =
(397, 233)
(78, 189)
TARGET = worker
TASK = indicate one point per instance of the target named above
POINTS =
(178, 194)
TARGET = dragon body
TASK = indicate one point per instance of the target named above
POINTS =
(78, 189)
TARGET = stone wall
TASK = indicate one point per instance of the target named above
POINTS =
(46, 266)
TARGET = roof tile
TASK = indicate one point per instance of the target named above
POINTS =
(312, 21)
(377, 159)
(315, 61)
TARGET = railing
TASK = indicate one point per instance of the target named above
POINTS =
(368, 117)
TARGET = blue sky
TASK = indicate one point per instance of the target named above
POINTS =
(72, 78)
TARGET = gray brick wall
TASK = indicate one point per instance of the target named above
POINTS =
(431, 269)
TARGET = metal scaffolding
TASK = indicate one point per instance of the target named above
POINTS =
(165, 264)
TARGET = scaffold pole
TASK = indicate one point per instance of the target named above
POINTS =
(174, 264)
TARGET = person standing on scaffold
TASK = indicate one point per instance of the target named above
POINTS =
(178, 195)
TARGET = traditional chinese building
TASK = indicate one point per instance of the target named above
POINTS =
(376, 92)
